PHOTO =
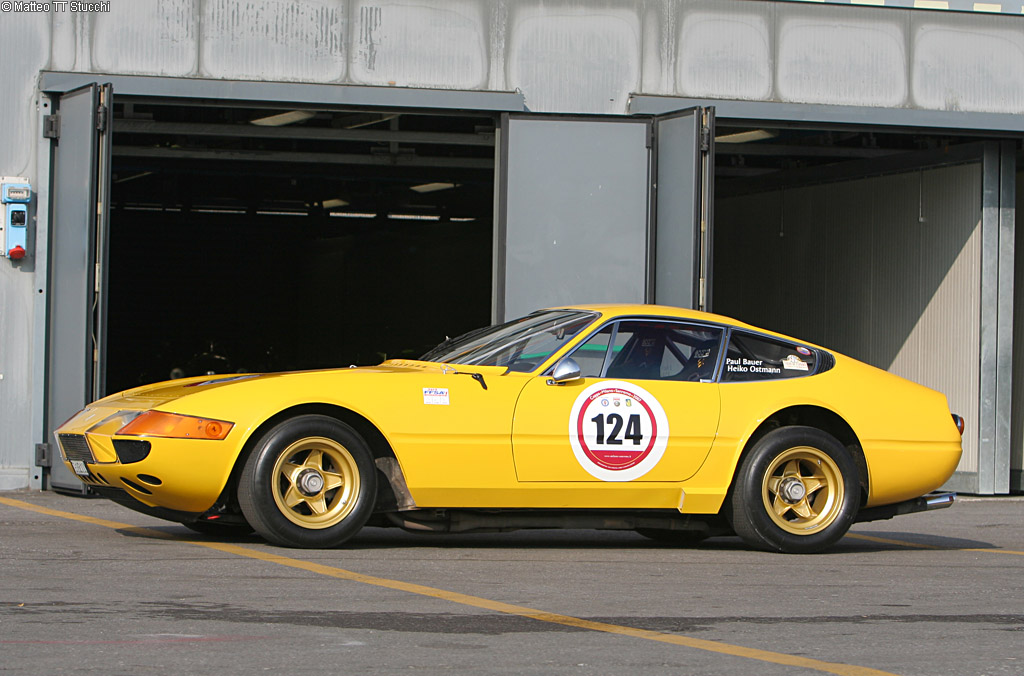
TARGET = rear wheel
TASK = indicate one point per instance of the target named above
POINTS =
(309, 482)
(797, 491)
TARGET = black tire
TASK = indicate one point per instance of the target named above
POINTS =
(309, 482)
(225, 530)
(796, 492)
(678, 538)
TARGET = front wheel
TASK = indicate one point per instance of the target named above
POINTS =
(309, 482)
(797, 492)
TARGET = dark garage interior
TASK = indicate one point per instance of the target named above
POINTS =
(259, 239)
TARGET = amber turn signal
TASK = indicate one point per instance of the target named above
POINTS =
(160, 424)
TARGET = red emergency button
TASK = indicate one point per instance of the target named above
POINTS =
(16, 254)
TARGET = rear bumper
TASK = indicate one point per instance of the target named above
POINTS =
(925, 503)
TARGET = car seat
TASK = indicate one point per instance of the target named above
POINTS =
(641, 357)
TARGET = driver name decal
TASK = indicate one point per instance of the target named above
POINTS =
(618, 431)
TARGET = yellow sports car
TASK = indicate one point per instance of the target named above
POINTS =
(677, 424)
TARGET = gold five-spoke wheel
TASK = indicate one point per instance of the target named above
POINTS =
(802, 490)
(797, 491)
(315, 482)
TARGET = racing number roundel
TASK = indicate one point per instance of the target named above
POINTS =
(618, 430)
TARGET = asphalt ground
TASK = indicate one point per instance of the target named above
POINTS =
(89, 587)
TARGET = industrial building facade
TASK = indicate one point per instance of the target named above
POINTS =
(229, 186)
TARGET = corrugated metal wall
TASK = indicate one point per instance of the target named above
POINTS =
(1017, 416)
(884, 269)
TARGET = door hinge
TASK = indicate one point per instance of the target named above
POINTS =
(51, 126)
(101, 119)
(650, 135)
(705, 138)
(43, 457)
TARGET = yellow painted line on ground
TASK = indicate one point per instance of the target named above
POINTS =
(917, 545)
(476, 601)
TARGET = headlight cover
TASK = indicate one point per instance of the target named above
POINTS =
(174, 426)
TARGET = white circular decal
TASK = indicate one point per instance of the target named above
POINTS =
(618, 430)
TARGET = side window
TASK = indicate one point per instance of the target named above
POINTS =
(752, 357)
(590, 355)
(650, 350)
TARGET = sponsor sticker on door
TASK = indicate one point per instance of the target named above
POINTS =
(618, 430)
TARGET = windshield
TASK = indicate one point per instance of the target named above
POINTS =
(521, 344)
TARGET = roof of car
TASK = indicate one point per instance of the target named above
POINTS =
(627, 309)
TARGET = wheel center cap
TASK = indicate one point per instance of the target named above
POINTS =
(310, 482)
(792, 490)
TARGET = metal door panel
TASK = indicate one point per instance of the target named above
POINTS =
(72, 291)
(683, 186)
(574, 209)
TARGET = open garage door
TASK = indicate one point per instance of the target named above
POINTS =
(259, 236)
(602, 209)
(81, 155)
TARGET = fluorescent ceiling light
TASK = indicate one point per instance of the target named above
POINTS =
(334, 203)
(432, 187)
(351, 214)
(413, 217)
(281, 119)
(217, 210)
(747, 136)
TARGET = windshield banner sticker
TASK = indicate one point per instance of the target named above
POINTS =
(618, 431)
(437, 396)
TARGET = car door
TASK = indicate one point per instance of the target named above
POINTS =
(645, 408)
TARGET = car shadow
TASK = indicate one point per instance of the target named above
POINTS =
(868, 541)
(372, 538)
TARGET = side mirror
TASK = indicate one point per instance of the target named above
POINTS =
(565, 370)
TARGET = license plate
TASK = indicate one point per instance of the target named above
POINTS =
(80, 467)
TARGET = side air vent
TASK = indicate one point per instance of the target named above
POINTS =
(825, 361)
(135, 486)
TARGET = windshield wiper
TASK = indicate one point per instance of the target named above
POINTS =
(479, 377)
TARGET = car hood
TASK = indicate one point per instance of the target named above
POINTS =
(162, 393)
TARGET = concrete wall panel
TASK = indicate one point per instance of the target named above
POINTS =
(282, 40)
(419, 44)
(968, 63)
(147, 37)
(574, 57)
(726, 52)
(841, 56)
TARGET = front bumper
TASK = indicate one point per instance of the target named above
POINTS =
(182, 475)
(925, 503)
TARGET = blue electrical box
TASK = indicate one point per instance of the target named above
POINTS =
(15, 196)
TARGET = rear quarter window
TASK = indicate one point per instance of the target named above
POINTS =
(752, 357)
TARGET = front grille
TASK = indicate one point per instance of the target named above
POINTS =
(75, 447)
